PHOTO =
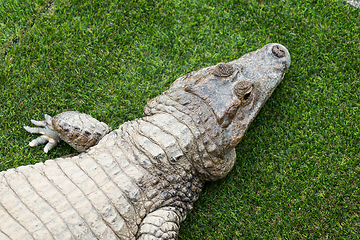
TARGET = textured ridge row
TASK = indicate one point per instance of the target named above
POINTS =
(203, 126)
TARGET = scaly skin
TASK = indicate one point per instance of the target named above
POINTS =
(79, 130)
(141, 180)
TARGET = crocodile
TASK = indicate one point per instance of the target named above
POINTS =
(142, 179)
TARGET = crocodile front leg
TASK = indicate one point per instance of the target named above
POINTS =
(162, 224)
(79, 130)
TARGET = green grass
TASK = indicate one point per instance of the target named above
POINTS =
(298, 170)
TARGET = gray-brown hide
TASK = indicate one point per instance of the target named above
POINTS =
(141, 180)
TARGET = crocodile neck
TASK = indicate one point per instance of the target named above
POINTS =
(210, 159)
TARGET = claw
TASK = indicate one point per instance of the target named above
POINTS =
(48, 119)
(38, 123)
(34, 130)
(49, 146)
(48, 135)
(39, 141)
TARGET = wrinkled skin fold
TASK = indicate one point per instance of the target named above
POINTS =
(142, 179)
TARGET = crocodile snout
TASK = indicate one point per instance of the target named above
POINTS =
(280, 53)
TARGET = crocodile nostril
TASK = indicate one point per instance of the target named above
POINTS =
(278, 51)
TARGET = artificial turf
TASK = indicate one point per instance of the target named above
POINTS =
(297, 173)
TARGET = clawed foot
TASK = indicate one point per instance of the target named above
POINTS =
(48, 135)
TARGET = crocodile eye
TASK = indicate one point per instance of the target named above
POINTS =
(223, 70)
(243, 90)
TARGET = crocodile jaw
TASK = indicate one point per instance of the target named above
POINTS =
(264, 68)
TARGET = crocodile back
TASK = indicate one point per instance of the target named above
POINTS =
(107, 191)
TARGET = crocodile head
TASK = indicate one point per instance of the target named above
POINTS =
(236, 91)
(258, 74)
